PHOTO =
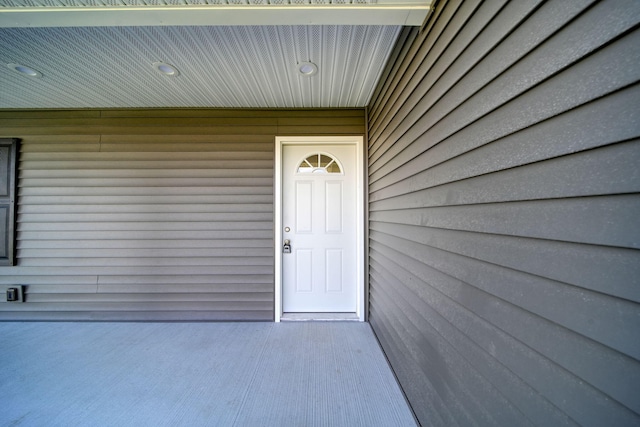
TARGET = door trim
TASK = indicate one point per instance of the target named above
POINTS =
(358, 141)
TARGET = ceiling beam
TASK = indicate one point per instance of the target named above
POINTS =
(365, 14)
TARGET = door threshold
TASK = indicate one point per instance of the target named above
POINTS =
(319, 317)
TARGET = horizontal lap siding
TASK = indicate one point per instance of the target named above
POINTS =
(150, 215)
(504, 205)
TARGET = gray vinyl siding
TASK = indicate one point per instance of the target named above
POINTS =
(150, 214)
(504, 175)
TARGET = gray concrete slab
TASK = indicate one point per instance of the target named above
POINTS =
(196, 374)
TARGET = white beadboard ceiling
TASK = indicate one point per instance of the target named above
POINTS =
(102, 62)
(226, 66)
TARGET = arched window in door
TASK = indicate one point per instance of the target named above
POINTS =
(319, 163)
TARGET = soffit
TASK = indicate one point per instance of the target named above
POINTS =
(227, 66)
(99, 53)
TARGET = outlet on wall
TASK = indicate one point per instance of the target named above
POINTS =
(12, 293)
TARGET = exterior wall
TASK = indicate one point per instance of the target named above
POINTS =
(504, 214)
(150, 215)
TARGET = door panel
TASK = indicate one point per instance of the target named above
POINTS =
(303, 206)
(333, 207)
(304, 270)
(334, 270)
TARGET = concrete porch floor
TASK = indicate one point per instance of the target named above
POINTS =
(196, 374)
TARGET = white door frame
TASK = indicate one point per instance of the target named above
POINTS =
(358, 141)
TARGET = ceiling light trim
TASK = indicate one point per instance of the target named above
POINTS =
(218, 15)
(307, 69)
(166, 69)
(24, 70)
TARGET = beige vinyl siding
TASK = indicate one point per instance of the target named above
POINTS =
(504, 206)
(150, 214)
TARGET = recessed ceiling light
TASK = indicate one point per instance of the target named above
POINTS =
(307, 68)
(24, 70)
(166, 69)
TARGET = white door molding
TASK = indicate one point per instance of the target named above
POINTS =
(358, 141)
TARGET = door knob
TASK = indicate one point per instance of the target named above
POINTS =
(286, 248)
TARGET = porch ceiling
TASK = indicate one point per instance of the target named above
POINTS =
(240, 54)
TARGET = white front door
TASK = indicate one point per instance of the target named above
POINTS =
(319, 221)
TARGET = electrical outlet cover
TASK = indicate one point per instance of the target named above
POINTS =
(5, 288)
